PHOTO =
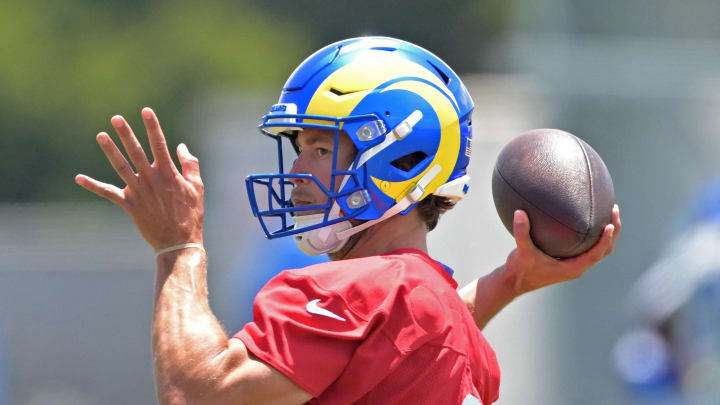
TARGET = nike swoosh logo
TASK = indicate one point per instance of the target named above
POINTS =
(313, 308)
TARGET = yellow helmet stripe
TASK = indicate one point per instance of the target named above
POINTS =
(448, 148)
(361, 76)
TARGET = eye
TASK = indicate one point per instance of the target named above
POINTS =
(320, 152)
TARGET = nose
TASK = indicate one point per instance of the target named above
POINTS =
(298, 167)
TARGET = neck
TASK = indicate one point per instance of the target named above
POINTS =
(398, 232)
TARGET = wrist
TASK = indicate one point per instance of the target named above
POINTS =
(181, 269)
(180, 246)
(189, 253)
(506, 283)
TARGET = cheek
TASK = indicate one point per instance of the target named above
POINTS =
(322, 174)
(325, 176)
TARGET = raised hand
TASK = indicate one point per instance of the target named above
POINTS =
(530, 269)
(166, 205)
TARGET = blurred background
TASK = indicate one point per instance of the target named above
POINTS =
(639, 81)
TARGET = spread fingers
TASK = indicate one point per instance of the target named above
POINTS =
(158, 145)
(104, 190)
(132, 145)
(117, 160)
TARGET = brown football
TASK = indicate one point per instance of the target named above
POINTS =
(562, 184)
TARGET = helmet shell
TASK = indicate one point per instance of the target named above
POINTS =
(378, 82)
(389, 79)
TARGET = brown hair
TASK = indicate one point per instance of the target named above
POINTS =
(431, 208)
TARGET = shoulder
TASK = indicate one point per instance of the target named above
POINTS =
(367, 284)
(367, 270)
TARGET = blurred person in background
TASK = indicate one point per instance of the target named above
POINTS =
(671, 354)
(381, 129)
(3, 378)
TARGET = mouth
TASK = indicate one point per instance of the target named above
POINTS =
(299, 202)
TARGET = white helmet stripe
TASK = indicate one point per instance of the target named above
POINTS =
(399, 132)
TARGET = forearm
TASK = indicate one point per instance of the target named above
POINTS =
(488, 295)
(186, 336)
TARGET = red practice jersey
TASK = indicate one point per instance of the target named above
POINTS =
(387, 329)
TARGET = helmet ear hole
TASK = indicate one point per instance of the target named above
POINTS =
(409, 161)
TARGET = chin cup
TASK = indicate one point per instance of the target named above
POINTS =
(321, 240)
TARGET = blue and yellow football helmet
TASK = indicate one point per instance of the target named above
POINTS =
(393, 99)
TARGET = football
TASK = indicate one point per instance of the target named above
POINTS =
(561, 183)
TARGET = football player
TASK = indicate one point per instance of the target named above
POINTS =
(381, 129)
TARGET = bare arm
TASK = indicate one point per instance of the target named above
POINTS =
(194, 360)
(527, 269)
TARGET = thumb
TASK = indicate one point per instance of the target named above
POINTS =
(521, 231)
(190, 164)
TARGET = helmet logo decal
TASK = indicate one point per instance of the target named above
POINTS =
(449, 146)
